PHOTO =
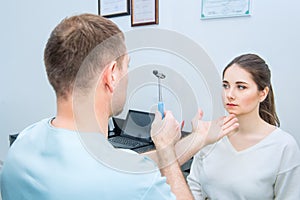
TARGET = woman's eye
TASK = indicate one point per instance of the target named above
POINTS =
(241, 87)
(225, 85)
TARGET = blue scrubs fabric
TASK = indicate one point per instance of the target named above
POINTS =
(51, 163)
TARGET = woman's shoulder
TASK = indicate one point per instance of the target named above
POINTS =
(284, 137)
(288, 149)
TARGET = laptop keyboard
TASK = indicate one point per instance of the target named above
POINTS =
(128, 143)
(144, 148)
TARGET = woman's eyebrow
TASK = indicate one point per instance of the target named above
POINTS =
(241, 82)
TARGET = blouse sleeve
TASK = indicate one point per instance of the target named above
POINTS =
(287, 182)
(193, 180)
(287, 186)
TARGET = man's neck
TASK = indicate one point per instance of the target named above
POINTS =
(64, 117)
(80, 119)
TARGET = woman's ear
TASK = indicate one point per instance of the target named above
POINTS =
(264, 93)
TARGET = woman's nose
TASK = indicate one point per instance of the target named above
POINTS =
(230, 94)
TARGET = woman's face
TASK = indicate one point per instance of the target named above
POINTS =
(240, 92)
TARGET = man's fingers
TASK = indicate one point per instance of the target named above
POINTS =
(156, 124)
(229, 121)
(157, 116)
(230, 126)
(195, 121)
(228, 118)
(224, 125)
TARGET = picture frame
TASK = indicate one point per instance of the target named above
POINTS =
(211, 9)
(144, 12)
(113, 8)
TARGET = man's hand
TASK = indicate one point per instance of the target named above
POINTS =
(166, 132)
(212, 131)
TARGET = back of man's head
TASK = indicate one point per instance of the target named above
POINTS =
(72, 43)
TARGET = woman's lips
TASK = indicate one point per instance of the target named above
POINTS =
(231, 104)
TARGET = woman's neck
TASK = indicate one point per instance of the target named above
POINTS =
(252, 123)
(252, 129)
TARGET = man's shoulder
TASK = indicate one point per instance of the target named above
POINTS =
(42, 124)
(35, 127)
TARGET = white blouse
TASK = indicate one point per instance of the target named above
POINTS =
(268, 170)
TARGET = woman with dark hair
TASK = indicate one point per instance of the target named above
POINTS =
(257, 161)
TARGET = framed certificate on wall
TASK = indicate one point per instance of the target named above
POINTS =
(224, 8)
(113, 8)
(144, 12)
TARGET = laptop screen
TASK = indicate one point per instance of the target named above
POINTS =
(138, 124)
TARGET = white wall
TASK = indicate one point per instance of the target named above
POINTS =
(26, 96)
(272, 31)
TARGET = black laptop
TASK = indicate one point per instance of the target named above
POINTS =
(135, 132)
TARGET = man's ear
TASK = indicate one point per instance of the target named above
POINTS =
(264, 93)
(110, 76)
